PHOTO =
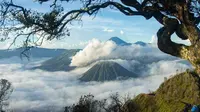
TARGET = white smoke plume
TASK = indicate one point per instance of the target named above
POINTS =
(97, 50)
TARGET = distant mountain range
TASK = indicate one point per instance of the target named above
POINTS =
(37, 52)
(59, 63)
(34, 52)
(120, 42)
(106, 71)
(141, 43)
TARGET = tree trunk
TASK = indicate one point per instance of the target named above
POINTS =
(183, 31)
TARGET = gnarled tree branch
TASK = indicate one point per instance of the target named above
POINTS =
(164, 39)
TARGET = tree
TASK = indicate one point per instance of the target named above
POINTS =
(5, 91)
(88, 103)
(181, 17)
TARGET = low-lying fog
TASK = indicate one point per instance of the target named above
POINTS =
(37, 90)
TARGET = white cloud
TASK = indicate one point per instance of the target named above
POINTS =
(121, 32)
(108, 30)
(154, 39)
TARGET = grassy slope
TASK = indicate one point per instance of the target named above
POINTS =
(184, 87)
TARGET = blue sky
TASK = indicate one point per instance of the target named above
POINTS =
(106, 24)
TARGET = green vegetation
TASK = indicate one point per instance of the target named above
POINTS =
(88, 103)
(174, 95)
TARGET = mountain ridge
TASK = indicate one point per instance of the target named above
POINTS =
(35, 52)
(59, 63)
(119, 41)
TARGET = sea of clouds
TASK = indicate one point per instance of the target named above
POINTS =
(37, 90)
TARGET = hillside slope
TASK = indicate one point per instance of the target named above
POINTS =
(174, 95)
(59, 63)
(106, 71)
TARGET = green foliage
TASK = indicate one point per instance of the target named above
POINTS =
(174, 95)
(88, 103)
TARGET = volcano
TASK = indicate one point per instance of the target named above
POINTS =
(106, 71)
